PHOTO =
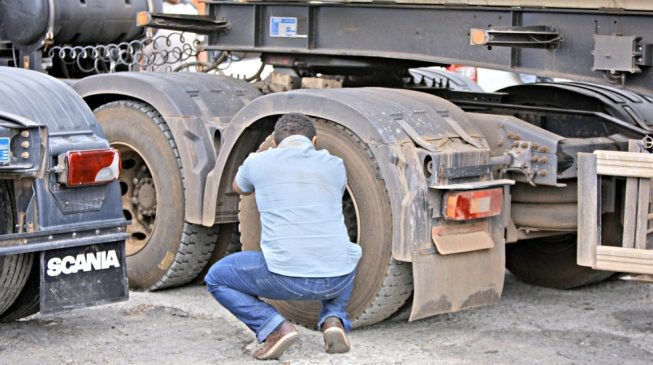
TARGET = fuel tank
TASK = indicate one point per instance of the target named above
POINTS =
(26, 23)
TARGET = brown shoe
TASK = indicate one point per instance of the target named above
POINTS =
(335, 338)
(277, 342)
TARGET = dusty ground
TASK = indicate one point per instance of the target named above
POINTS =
(611, 323)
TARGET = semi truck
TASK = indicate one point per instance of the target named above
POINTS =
(447, 185)
(62, 231)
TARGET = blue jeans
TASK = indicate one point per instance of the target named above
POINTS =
(239, 279)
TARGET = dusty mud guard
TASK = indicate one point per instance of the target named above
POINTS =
(635, 253)
(98, 275)
(446, 282)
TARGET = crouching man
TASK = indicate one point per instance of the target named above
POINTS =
(306, 252)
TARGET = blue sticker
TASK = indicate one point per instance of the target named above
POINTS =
(4, 149)
(283, 27)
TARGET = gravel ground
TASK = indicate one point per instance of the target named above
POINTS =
(611, 323)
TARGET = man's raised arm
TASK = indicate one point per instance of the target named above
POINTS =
(242, 183)
(238, 190)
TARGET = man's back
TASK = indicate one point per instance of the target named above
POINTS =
(299, 195)
(306, 250)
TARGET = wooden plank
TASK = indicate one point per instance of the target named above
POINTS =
(615, 251)
(642, 213)
(636, 146)
(611, 170)
(588, 210)
(630, 268)
(624, 156)
(648, 244)
(630, 212)
(629, 164)
(624, 260)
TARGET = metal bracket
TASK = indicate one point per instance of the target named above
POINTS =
(617, 53)
(200, 24)
(522, 154)
(536, 36)
(49, 34)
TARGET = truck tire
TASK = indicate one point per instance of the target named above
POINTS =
(14, 269)
(550, 262)
(382, 285)
(163, 250)
(27, 303)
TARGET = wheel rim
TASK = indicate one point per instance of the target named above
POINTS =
(138, 190)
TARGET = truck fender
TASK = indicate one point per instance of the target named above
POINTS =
(402, 130)
(380, 118)
(44, 101)
(195, 106)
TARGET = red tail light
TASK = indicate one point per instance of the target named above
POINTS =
(474, 204)
(468, 71)
(91, 167)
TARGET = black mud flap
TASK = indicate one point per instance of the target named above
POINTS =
(83, 276)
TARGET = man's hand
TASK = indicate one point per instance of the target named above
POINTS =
(237, 189)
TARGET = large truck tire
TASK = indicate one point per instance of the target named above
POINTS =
(382, 284)
(28, 301)
(550, 262)
(163, 250)
(14, 269)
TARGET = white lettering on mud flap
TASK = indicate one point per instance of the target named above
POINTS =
(83, 262)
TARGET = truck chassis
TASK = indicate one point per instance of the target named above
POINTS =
(409, 146)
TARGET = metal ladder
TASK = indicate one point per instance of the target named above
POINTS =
(634, 254)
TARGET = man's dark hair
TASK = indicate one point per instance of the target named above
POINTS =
(293, 123)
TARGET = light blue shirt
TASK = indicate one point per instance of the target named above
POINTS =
(299, 195)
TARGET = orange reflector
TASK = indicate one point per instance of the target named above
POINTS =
(474, 204)
(478, 37)
(92, 167)
(143, 18)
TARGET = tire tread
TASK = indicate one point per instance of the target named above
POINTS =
(14, 269)
(397, 285)
(197, 241)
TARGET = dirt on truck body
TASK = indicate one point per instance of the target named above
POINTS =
(448, 185)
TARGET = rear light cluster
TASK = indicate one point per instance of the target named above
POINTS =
(467, 71)
(473, 204)
(92, 167)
